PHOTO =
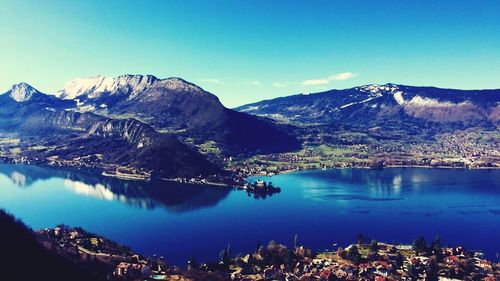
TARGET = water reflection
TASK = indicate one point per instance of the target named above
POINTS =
(462, 206)
(389, 184)
(98, 191)
(18, 179)
(174, 197)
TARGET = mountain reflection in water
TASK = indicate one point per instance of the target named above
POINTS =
(179, 221)
(174, 197)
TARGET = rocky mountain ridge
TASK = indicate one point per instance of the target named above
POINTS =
(50, 125)
(177, 107)
(375, 103)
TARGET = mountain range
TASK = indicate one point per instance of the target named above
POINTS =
(174, 105)
(402, 112)
(377, 102)
(134, 121)
(60, 132)
(147, 123)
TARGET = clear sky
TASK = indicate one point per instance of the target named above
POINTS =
(245, 51)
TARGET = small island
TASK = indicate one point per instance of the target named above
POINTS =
(261, 188)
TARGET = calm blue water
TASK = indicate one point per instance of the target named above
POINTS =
(322, 207)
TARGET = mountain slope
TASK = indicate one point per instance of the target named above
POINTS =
(176, 106)
(23, 258)
(24, 108)
(376, 125)
(374, 105)
(145, 148)
(45, 121)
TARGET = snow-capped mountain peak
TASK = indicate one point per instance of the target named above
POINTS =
(131, 85)
(81, 86)
(379, 89)
(22, 92)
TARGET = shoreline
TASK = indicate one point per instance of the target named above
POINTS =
(146, 178)
(126, 176)
(372, 168)
(213, 184)
(274, 261)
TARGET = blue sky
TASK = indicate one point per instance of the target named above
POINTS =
(245, 51)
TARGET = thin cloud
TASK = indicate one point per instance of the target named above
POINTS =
(323, 81)
(253, 83)
(282, 84)
(213, 81)
(315, 82)
(343, 76)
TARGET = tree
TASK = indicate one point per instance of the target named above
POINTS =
(374, 246)
(360, 239)
(192, 264)
(341, 253)
(251, 259)
(257, 248)
(414, 246)
(467, 266)
(436, 248)
(296, 241)
(353, 255)
(414, 272)
(289, 258)
(436, 244)
(419, 245)
(225, 255)
(399, 260)
(431, 274)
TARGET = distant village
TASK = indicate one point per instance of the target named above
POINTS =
(360, 261)
(452, 153)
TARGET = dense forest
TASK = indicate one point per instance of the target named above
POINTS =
(23, 258)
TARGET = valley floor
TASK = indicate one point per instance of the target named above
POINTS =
(463, 149)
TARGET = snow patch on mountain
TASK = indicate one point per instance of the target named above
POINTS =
(378, 89)
(130, 85)
(398, 97)
(250, 108)
(360, 102)
(81, 86)
(418, 101)
(22, 92)
(86, 108)
(374, 91)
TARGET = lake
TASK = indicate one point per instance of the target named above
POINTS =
(323, 207)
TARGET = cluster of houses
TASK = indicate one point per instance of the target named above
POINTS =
(220, 180)
(127, 173)
(375, 261)
(116, 262)
(372, 261)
